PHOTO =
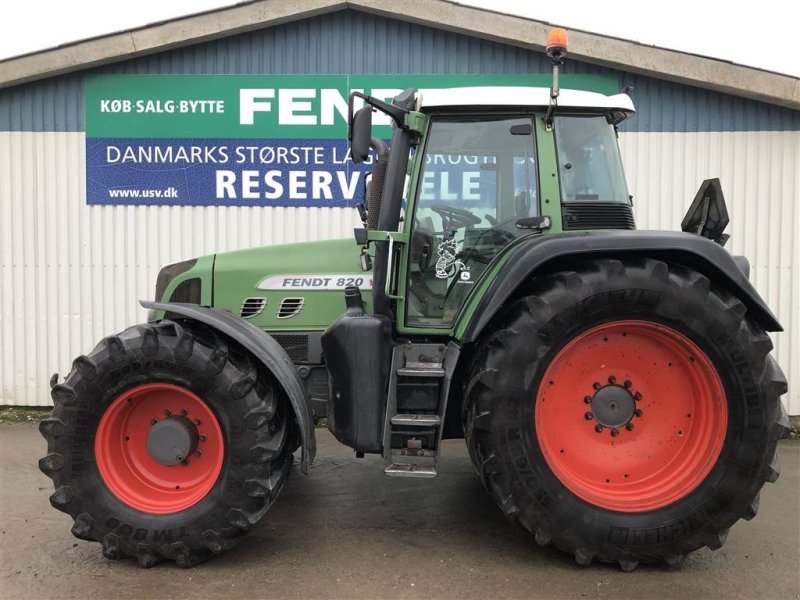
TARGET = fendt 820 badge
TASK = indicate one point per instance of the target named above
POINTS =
(615, 387)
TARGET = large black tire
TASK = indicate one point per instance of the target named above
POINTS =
(253, 416)
(509, 365)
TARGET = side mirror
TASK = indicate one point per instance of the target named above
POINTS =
(360, 134)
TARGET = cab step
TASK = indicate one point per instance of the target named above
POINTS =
(419, 382)
(410, 470)
(416, 420)
(436, 371)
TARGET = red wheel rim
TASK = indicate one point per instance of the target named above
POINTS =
(126, 465)
(622, 458)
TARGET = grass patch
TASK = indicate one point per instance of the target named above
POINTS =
(794, 430)
(23, 414)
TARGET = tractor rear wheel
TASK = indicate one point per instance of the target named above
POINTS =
(166, 442)
(626, 412)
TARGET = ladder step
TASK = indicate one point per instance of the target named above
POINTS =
(416, 420)
(409, 470)
(420, 372)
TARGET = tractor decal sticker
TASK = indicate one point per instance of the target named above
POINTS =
(306, 281)
(448, 264)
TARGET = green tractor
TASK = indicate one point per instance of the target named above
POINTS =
(614, 387)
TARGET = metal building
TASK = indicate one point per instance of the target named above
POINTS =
(72, 267)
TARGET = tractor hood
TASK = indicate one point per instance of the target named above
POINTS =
(289, 287)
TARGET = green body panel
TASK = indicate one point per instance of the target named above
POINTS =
(548, 175)
(317, 272)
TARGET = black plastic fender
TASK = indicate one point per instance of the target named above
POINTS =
(688, 249)
(268, 351)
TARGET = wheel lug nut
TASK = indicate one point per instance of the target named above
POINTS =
(588, 415)
(638, 412)
(627, 383)
(629, 426)
(153, 421)
(167, 412)
(612, 379)
(198, 453)
(596, 385)
(614, 432)
(598, 428)
(184, 412)
(587, 399)
(637, 396)
(203, 437)
(197, 421)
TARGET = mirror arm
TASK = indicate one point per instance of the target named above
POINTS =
(396, 113)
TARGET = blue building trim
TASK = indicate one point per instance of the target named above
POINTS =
(354, 42)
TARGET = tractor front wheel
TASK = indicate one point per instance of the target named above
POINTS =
(167, 442)
(626, 412)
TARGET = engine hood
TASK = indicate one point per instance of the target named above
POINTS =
(291, 287)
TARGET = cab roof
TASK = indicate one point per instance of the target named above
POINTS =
(620, 105)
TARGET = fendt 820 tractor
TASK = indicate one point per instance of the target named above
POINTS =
(614, 387)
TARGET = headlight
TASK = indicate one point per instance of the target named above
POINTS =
(170, 272)
(187, 291)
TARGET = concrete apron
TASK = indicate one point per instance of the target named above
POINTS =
(348, 531)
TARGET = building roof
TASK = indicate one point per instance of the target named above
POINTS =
(680, 67)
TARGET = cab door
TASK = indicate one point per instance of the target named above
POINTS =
(477, 181)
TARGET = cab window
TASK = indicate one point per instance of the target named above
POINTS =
(478, 180)
(589, 163)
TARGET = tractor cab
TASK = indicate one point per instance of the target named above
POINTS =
(478, 184)
(481, 175)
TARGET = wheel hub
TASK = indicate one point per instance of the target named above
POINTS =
(613, 406)
(159, 448)
(171, 441)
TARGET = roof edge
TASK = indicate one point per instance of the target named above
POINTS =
(159, 37)
(661, 63)
(626, 55)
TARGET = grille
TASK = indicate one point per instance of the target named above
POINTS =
(290, 307)
(251, 307)
(296, 346)
(598, 215)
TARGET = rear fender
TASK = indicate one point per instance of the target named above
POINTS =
(540, 253)
(264, 348)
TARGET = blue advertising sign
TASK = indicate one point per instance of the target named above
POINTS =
(244, 140)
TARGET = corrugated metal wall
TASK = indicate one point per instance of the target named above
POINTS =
(72, 273)
(760, 177)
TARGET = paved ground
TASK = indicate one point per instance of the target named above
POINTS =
(346, 531)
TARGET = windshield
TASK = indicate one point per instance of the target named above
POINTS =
(478, 180)
(589, 163)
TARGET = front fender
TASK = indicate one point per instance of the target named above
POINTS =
(691, 250)
(265, 349)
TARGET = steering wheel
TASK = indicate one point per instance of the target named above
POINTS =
(453, 217)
